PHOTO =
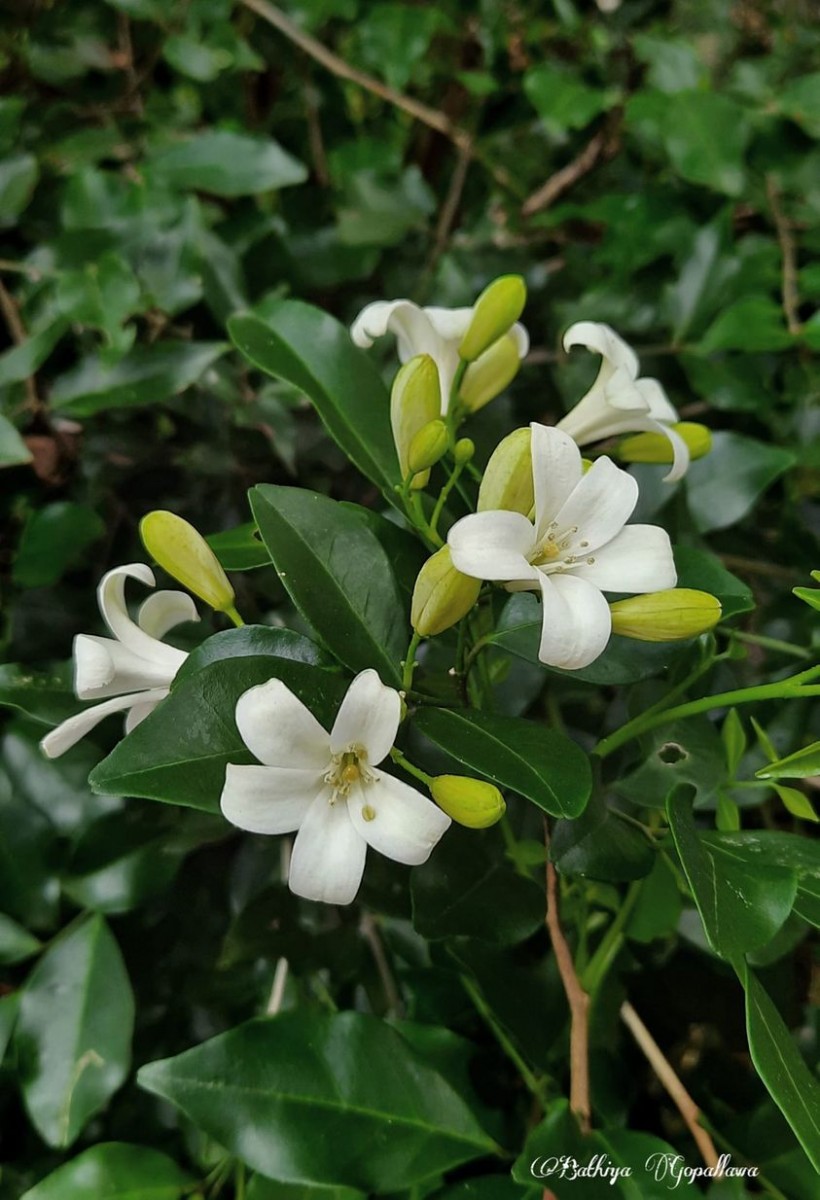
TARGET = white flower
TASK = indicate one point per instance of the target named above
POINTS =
(579, 547)
(434, 331)
(325, 785)
(618, 401)
(133, 669)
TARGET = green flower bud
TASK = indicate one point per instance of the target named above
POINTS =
(185, 555)
(668, 616)
(487, 377)
(428, 446)
(464, 451)
(415, 401)
(442, 595)
(656, 448)
(507, 481)
(470, 802)
(494, 313)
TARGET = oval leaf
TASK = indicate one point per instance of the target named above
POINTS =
(114, 1171)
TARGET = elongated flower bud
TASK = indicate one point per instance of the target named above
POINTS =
(442, 595)
(470, 802)
(494, 313)
(507, 482)
(185, 555)
(487, 377)
(415, 401)
(669, 616)
(428, 446)
(656, 448)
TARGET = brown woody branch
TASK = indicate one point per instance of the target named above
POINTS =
(788, 253)
(601, 147)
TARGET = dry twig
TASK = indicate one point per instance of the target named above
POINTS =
(17, 330)
(788, 251)
(599, 148)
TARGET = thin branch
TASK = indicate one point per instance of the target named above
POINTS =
(666, 1074)
(449, 208)
(788, 252)
(370, 932)
(277, 992)
(316, 139)
(753, 566)
(599, 148)
(577, 999)
(17, 330)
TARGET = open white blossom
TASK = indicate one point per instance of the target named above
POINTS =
(325, 785)
(619, 401)
(434, 331)
(133, 669)
(579, 547)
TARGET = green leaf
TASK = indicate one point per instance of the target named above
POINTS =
(469, 889)
(387, 1120)
(705, 572)
(337, 575)
(9, 1008)
(659, 905)
(191, 57)
(393, 39)
(800, 99)
(16, 943)
(753, 323)
(266, 1189)
(704, 134)
(312, 351)
(179, 753)
(796, 802)
(800, 765)
(250, 641)
(73, 1034)
(240, 549)
(599, 845)
(22, 361)
(48, 698)
(723, 487)
(741, 909)
(541, 764)
(733, 736)
(562, 100)
(227, 164)
(54, 538)
(18, 175)
(101, 295)
(147, 375)
(791, 1084)
(114, 1171)
(13, 450)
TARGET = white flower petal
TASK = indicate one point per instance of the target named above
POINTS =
(138, 712)
(603, 340)
(406, 825)
(493, 545)
(449, 323)
(369, 716)
(521, 338)
(639, 559)
(164, 610)
(269, 799)
(103, 667)
(657, 402)
(279, 730)
(69, 732)
(111, 598)
(576, 622)
(599, 506)
(556, 470)
(327, 862)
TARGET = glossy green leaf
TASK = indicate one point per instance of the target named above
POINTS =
(791, 1084)
(338, 576)
(260, 1188)
(309, 349)
(541, 764)
(387, 1119)
(9, 1008)
(239, 549)
(705, 572)
(54, 538)
(16, 943)
(741, 909)
(13, 450)
(705, 135)
(723, 486)
(659, 905)
(562, 99)
(762, 848)
(469, 889)
(114, 1171)
(22, 361)
(228, 164)
(600, 845)
(47, 698)
(73, 1034)
(249, 641)
(148, 375)
(18, 175)
(800, 765)
(753, 323)
(179, 753)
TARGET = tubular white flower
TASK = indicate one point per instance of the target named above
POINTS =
(434, 331)
(579, 547)
(324, 785)
(619, 401)
(132, 670)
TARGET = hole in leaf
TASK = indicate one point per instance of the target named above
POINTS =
(671, 753)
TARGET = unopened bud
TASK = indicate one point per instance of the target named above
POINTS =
(507, 482)
(183, 552)
(415, 401)
(487, 377)
(656, 448)
(464, 451)
(428, 446)
(494, 313)
(442, 595)
(668, 616)
(470, 802)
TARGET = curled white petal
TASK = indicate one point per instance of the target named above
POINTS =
(71, 731)
(279, 730)
(369, 716)
(602, 339)
(111, 597)
(397, 820)
(104, 667)
(327, 862)
(164, 610)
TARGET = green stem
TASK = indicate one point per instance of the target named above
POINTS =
(416, 514)
(768, 643)
(785, 690)
(239, 1182)
(443, 494)
(409, 664)
(535, 1085)
(406, 765)
(610, 944)
(234, 616)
